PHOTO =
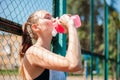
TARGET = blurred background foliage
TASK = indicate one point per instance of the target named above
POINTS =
(82, 7)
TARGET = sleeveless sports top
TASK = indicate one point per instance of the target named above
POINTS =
(43, 76)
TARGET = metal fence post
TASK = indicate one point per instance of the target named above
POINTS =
(118, 56)
(92, 34)
(106, 40)
(60, 40)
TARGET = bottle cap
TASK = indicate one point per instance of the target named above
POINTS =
(59, 28)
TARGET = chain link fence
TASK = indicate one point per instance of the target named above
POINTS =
(13, 13)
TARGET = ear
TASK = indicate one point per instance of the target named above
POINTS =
(35, 27)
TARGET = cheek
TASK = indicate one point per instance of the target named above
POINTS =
(46, 26)
(49, 24)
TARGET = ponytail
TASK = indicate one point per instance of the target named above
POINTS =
(26, 43)
(26, 39)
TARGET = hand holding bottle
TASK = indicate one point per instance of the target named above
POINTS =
(67, 20)
(62, 23)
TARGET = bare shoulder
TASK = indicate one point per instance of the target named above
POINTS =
(35, 51)
(35, 54)
(33, 48)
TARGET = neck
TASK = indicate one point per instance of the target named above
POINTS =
(44, 42)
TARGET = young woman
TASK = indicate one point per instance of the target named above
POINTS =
(35, 55)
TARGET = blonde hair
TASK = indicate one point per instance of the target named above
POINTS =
(28, 37)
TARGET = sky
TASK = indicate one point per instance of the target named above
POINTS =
(115, 4)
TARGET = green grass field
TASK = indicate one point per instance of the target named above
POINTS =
(9, 72)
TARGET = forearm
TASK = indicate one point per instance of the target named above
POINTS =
(74, 50)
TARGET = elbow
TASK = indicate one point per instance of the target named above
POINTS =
(75, 67)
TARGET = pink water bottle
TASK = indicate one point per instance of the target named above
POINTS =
(76, 20)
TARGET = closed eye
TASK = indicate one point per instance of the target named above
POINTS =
(48, 16)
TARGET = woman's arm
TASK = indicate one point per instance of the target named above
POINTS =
(74, 49)
(39, 56)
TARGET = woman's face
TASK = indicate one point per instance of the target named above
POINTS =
(46, 23)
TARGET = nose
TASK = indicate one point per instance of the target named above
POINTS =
(53, 20)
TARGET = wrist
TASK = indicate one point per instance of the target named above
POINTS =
(70, 23)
